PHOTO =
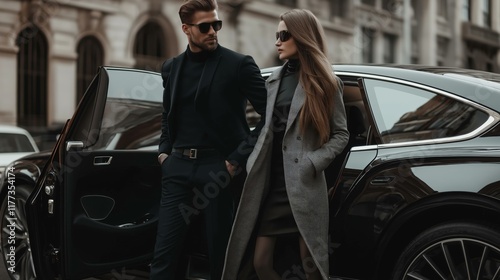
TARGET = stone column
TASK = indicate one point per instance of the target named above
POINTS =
(8, 62)
(495, 15)
(477, 12)
(427, 34)
(116, 27)
(61, 88)
(457, 43)
(495, 25)
(8, 78)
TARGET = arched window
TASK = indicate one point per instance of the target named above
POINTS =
(32, 78)
(90, 57)
(289, 3)
(149, 47)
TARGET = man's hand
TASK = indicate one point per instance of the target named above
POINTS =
(162, 157)
(231, 168)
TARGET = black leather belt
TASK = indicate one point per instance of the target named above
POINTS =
(196, 153)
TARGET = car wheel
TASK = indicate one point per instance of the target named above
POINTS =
(15, 243)
(458, 250)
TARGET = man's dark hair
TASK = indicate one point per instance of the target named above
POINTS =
(189, 7)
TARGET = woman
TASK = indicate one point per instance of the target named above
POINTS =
(305, 128)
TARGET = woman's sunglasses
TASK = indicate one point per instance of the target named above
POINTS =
(204, 27)
(283, 35)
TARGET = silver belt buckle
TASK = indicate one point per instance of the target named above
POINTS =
(193, 153)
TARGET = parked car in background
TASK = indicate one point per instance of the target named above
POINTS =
(15, 142)
(415, 194)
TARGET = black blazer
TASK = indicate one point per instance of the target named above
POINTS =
(228, 80)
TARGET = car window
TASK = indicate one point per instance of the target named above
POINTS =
(404, 113)
(15, 143)
(132, 85)
(132, 114)
(85, 127)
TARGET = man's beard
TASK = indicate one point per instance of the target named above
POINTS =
(206, 47)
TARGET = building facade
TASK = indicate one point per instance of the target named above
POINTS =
(50, 49)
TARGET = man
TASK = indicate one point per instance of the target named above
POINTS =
(205, 138)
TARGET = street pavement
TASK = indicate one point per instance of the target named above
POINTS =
(3, 273)
(116, 275)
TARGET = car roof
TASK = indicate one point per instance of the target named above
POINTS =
(423, 73)
(479, 86)
(13, 129)
(123, 68)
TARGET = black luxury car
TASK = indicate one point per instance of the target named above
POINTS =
(415, 194)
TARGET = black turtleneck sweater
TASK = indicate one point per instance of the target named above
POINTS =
(190, 128)
(288, 84)
(289, 81)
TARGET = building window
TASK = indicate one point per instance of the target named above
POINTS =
(337, 8)
(470, 63)
(415, 57)
(389, 5)
(442, 50)
(466, 10)
(289, 3)
(487, 13)
(32, 78)
(389, 48)
(489, 67)
(368, 40)
(442, 7)
(90, 57)
(149, 47)
(369, 2)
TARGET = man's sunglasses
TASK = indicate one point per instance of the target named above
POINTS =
(283, 35)
(204, 27)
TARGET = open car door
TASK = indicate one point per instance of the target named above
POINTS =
(95, 207)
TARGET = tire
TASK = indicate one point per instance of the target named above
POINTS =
(15, 244)
(454, 250)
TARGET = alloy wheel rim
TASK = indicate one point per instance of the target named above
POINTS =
(24, 266)
(456, 258)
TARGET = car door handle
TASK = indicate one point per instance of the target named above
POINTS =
(102, 160)
(382, 180)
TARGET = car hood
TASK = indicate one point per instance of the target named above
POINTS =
(6, 158)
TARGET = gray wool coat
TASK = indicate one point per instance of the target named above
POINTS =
(304, 160)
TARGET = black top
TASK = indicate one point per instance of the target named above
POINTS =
(228, 80)
(287, 87)
(191, 130)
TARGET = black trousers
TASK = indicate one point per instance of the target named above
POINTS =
(191, 187)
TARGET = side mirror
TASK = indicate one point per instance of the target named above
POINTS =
(74, 146)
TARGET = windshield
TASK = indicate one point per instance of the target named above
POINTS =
(15, 143)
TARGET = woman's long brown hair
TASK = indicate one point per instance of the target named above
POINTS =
(316, 74)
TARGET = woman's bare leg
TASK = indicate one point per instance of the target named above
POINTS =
(263, 260)
(308, 263)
